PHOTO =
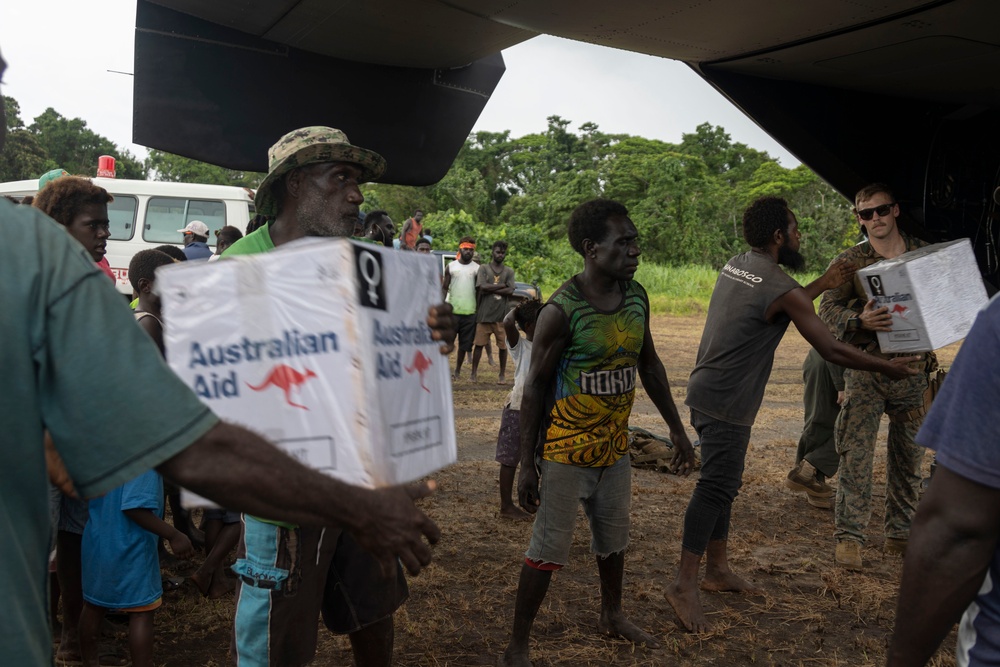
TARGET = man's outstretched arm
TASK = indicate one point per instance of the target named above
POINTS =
(238, 469)
(953, 538)
(797, 305)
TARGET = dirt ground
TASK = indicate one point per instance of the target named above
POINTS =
(460, 608)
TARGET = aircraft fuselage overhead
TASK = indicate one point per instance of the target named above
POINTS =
(897, 91)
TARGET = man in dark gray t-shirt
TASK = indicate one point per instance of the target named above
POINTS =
(751, 306)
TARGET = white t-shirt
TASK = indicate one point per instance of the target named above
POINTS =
(521, 355)
(462, 290)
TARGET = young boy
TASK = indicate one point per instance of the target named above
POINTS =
(222, 527)
(141, 273)
(121, 566)
(509, 439)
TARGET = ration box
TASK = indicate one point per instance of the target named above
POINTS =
(322, 347)
(933, 294)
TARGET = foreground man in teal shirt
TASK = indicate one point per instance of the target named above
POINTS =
(59, 314)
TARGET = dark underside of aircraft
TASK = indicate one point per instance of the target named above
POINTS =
(898, 91)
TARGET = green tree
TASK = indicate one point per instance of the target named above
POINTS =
(399, 201)
(71, 145)
(22, 156)
(487, 153)
(734, 161)
(175, 168)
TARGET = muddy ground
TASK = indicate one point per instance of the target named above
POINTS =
(460, 608)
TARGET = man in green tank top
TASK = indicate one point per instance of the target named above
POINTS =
(591, 343)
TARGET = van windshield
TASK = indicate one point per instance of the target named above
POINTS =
(165, 215)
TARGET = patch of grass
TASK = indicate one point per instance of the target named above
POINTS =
(679, 290)
(686, 290)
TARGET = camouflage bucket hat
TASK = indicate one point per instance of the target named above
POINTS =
(311, 145)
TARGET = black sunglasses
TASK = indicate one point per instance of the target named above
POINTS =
(868, 213)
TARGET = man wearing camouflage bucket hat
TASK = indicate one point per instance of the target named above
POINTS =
(289, 574)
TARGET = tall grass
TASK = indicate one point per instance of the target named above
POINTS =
(680, 290)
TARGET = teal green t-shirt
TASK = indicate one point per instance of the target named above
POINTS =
(73, 360)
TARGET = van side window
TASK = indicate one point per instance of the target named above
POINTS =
(165, 215)
(121, 212)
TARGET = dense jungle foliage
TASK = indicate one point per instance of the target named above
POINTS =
(686, 199)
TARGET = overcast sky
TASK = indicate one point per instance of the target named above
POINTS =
(59, 53)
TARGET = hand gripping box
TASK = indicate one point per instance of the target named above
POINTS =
(933, 294)
(322, 347)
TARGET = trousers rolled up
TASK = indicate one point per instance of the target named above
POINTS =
(869, 396)
(819, 399)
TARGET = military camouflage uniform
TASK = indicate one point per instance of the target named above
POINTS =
(868, 396)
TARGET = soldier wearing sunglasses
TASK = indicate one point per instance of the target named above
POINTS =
(855, 320)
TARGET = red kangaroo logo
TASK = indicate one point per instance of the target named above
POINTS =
(420, 365)
(899, 308)
(286, 379)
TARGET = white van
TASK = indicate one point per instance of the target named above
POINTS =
(158, 209)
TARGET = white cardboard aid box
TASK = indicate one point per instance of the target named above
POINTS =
(322, 347)
(933, 294)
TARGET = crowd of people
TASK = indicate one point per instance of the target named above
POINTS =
(310, 547)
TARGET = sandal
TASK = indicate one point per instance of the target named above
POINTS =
(172, 583)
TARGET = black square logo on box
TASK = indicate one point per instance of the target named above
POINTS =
(371, 286)
(876, 286)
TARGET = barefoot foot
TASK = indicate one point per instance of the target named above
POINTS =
(619, 626)
(687, 606)
(222, 586)
(213, 586)
(728, 582)
(201, 581)
(513, 660)
(514, 513)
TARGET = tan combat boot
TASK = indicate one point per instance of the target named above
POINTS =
(848, 555)
(805, 479)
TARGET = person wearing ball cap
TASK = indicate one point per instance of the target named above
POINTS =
(196, 240)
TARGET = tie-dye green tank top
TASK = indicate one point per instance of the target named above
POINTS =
(594, 386)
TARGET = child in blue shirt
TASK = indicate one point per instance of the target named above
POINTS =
(121, 562)
(121, 566)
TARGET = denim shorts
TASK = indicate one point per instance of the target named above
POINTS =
(606, 496)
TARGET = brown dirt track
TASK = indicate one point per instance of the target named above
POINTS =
(460, 608)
